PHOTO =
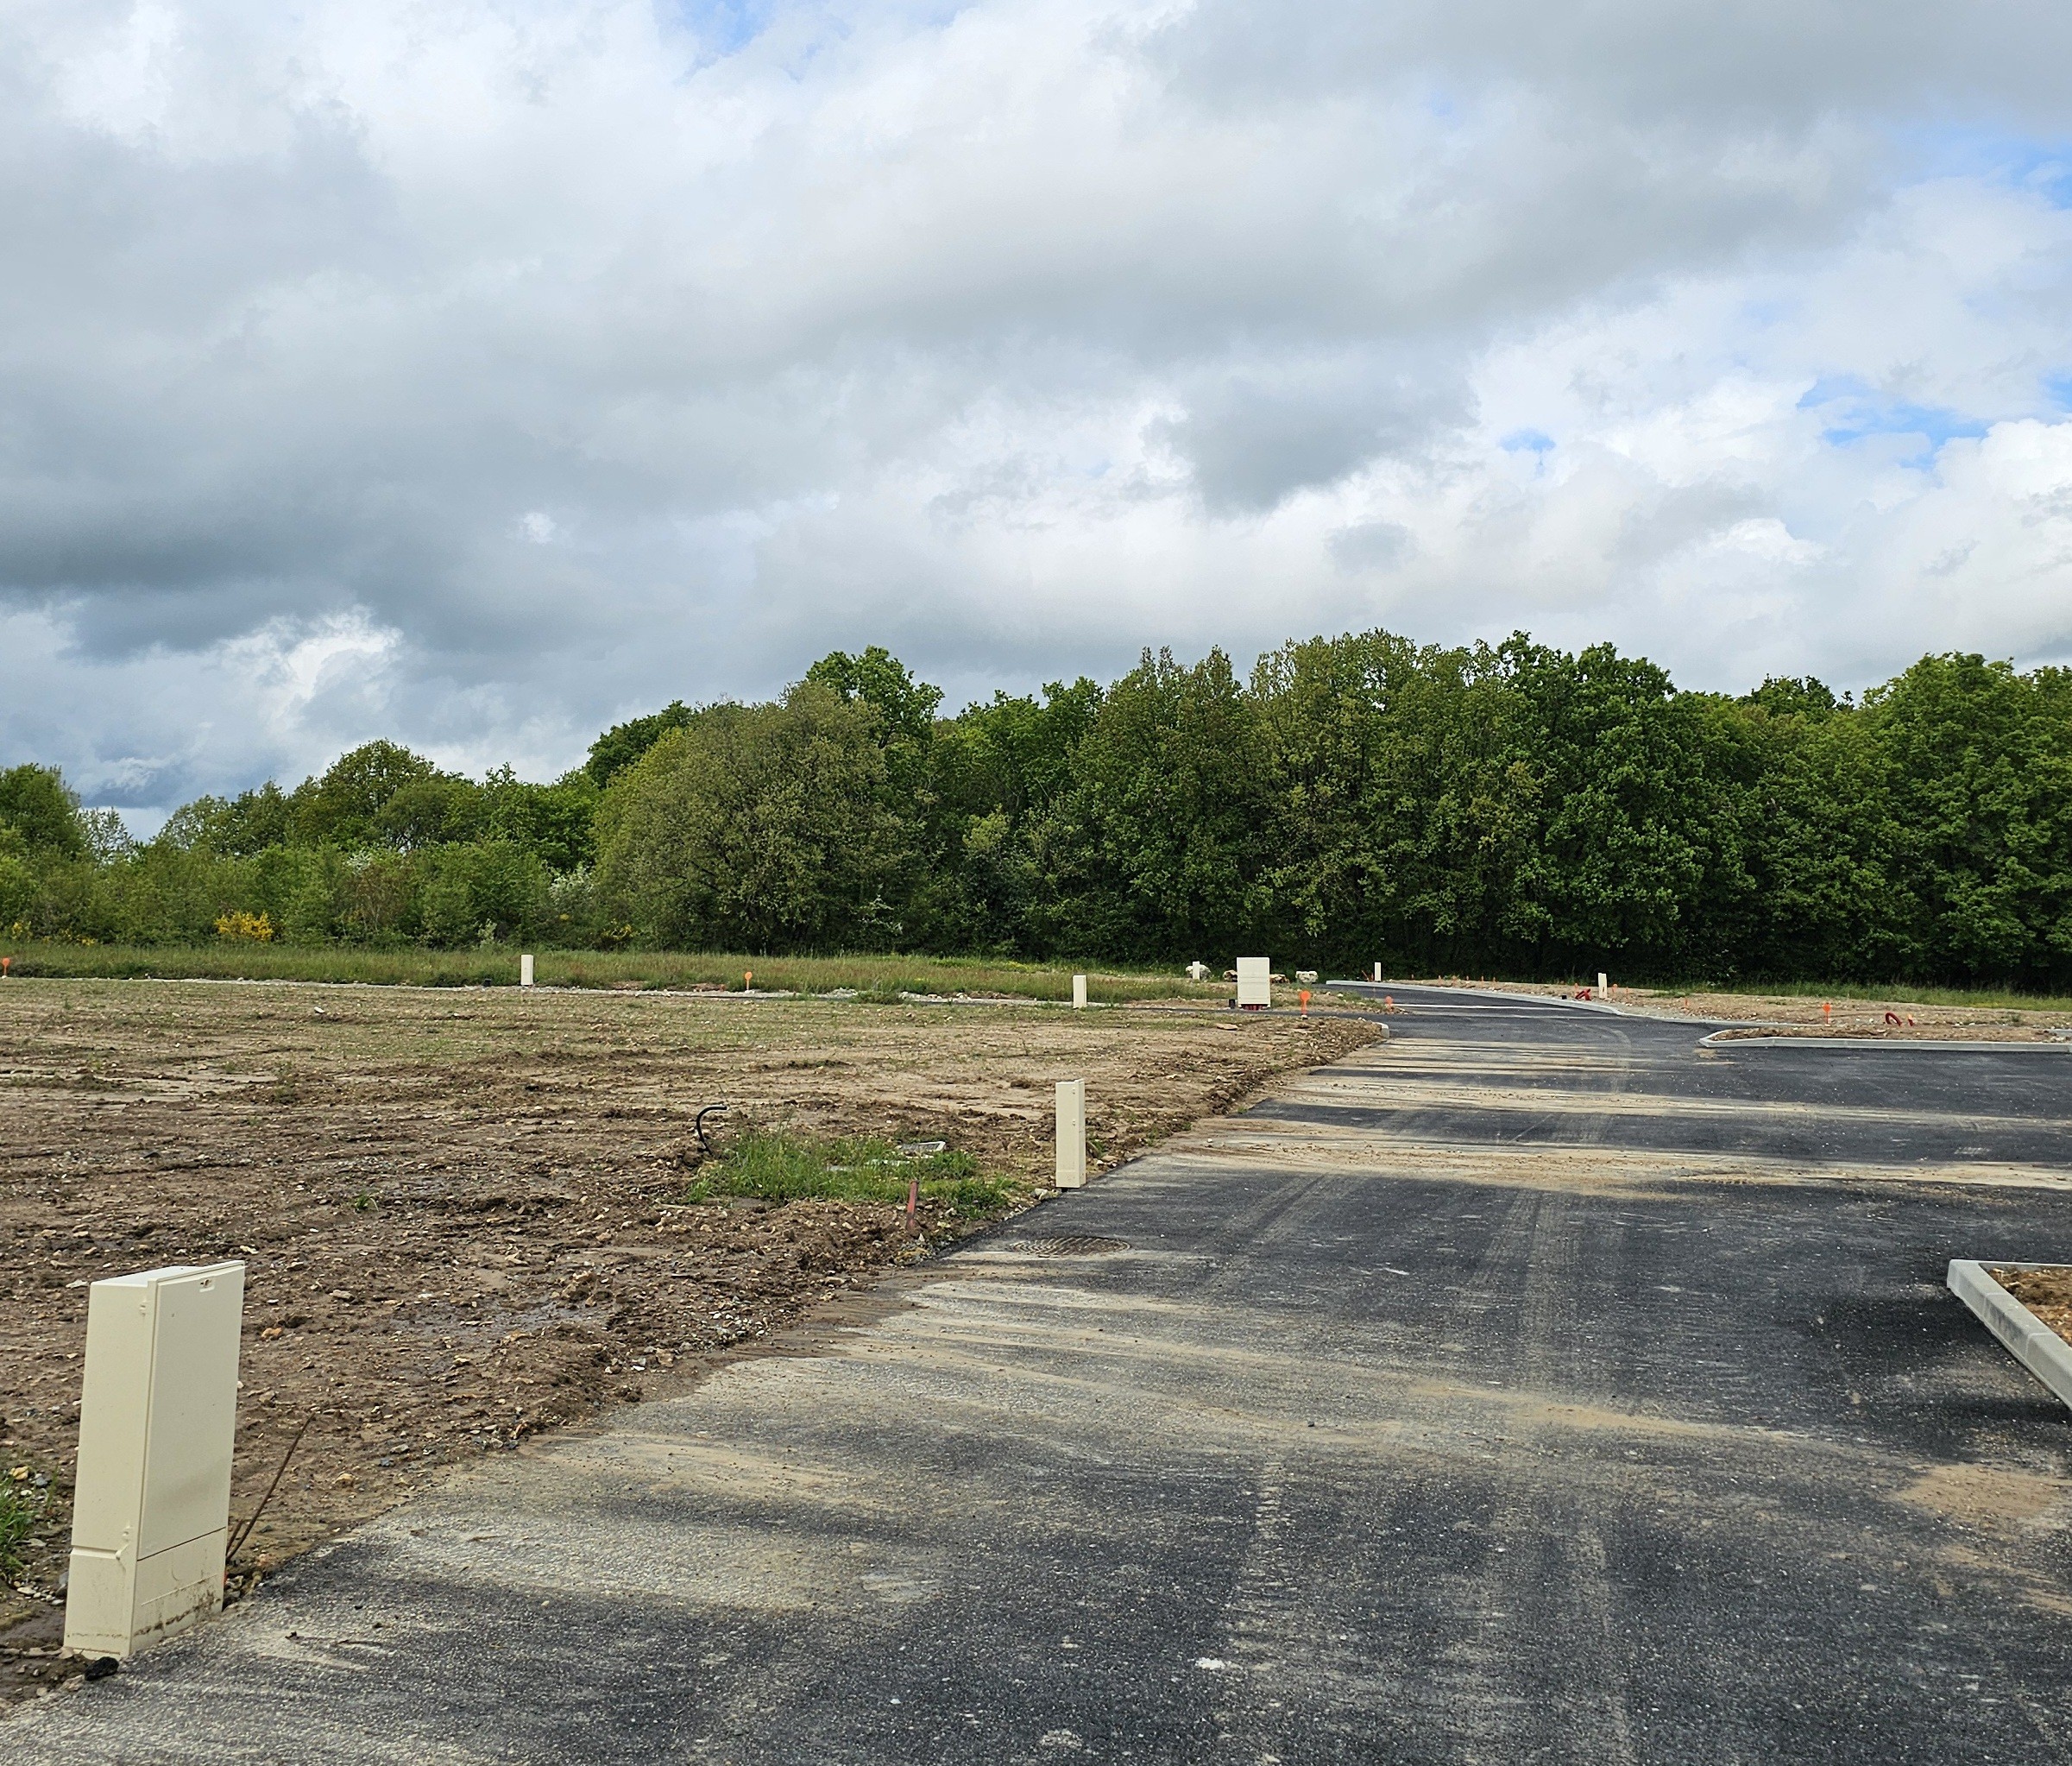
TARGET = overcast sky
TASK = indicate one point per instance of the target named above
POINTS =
(481, 374)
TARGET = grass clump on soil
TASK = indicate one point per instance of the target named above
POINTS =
(787, 1167)
(17, 1517)
(871, 977)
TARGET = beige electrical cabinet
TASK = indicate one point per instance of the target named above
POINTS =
(1072, 1134)
(152, 1495)
(1255, 983)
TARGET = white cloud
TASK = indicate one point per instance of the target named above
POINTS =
(479, 374)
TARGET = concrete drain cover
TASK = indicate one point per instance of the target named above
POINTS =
(1080, 1244)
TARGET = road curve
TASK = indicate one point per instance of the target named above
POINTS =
(1537, 1387)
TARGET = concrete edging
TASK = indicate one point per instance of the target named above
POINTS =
(1720, 1039)
(2027, 1338)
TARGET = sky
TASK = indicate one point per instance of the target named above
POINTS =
(480, 375)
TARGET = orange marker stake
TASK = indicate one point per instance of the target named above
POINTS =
(1304, 998)
(6, 963)
(748, 980)
(1827, 1008)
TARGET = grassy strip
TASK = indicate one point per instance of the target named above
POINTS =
(871, 977)
(784, 1168)
(1895, 992)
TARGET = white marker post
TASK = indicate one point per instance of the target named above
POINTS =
(151, 1505)
(1072, 1134)
(1079, 993)
(1255, 983)
(524, 970)
(1604, 987)
(1377, 971)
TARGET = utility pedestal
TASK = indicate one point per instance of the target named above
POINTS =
(1072, 1133)
(151, 1505)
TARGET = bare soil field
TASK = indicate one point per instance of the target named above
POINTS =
(461, 1211)
(1788, 1014)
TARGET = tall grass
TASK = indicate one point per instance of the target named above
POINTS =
(1980, 999)
(784, 1168)
(872, 977)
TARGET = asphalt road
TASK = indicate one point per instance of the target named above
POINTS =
(1538, 1387)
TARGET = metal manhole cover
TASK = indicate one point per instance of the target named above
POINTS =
(1075, 1245)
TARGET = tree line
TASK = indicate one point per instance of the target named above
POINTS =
(1502, 810)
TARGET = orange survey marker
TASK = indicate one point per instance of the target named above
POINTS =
(1304, 997)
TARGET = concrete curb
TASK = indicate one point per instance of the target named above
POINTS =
(2030, 1341)
(1720, 1039)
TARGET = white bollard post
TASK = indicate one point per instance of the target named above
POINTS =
(1072, 1133)
(151, 1503)
(524, 970)
(1604, 987)
(1079, 993)
(1377, 971)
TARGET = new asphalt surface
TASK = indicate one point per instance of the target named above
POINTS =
(1540, 1385)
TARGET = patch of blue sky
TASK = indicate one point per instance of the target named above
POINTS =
(2057, 387)
(1527, 441)
(2024, 162)
(721, 26)
(1856, 411)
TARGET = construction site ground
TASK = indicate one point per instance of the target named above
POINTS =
(460, 1210)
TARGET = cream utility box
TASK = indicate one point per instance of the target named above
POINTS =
(152, 1495)
(1072, 1134)
(1255, 983)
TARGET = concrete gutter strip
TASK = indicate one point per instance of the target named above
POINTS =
(2032, 1342)
(1719, 1039)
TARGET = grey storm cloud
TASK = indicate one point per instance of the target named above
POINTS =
(477, 373)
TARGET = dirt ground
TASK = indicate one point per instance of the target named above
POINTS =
(1782, 1014)
(458, 1208)
(2046, 1292)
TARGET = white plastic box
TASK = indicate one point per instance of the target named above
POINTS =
(1255, 983)
(157, 1422)
(1079, 993)
(1072, 1134)
(525, 971)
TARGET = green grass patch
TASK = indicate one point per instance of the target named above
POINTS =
(876, 978)
(785, 1168)
(1981, 998)
(17, 1516)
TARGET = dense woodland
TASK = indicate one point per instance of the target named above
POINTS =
(1505, 810)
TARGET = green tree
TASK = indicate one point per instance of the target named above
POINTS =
(43, 810)
(623, 744)
(768, 827)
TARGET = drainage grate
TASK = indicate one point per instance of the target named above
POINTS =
(1079, 1245)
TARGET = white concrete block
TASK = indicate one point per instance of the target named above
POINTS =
(158, 1419)
(525, 971)
(1072, 1133)
(1197, 971)
(1079, 993)
(1255, 981)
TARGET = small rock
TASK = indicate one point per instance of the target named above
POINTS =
(345, 1480)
